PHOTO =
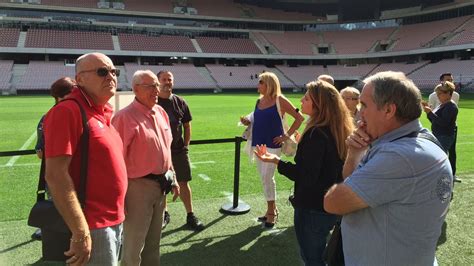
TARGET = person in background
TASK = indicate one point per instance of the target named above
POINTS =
(96, 229)
(434, 102)
(398, 183)
(329, 79)
(267, 130)
(144, 129)
(59, 90)
(180, 122)
(443, 117)
(351, 98)
(318, 165)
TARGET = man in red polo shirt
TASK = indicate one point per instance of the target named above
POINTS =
(96, 229)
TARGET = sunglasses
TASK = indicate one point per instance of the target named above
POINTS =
(103, 71)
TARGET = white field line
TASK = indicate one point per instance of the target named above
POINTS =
(210, 151)
(204, 177)
(463, 142)
(28, 142)
(228, 195)
(21, 165)
(193, 164)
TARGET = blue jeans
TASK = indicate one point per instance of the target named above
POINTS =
(312, 228)
(106, 244)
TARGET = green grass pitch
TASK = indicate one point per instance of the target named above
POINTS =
(228, 240)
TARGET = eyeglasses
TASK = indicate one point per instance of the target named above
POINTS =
(150, 86)
(351, 98)
(103, 71)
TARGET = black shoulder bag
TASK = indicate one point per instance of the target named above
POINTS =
(44, 215)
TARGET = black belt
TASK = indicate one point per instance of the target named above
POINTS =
(155, 177)
(161, 179)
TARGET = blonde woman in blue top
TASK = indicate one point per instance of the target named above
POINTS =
(267, 130)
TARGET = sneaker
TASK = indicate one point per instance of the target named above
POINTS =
(194, 223)
(166, 220)
(457, 180)
(36, 235)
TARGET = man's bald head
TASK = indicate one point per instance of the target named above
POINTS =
(89, 58)
(97, 76)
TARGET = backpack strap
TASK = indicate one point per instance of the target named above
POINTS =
(422, 135)
(84, 142)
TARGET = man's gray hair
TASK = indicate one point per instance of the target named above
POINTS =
(138, 76)
(395, 88)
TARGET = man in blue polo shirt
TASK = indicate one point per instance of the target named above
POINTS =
(397, 186)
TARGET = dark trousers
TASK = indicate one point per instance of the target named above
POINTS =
(312, 228)
(452, 151)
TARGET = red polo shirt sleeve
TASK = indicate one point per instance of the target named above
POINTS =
(62, 122)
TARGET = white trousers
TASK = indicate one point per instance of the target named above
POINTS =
(267, 175)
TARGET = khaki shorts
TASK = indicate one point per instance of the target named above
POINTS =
(181, 165)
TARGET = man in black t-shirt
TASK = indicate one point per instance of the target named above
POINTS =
(180, 121)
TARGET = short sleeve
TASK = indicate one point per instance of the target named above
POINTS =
(186, 112)
(387, 177)
(62, 129)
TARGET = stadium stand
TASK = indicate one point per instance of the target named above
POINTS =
(5, 74)
(402, 67)
(428, 76)
(40, 75)
(274, 14)
(465, 34)
(227, 46)
(349, 72)
(355, 41)
(420, 35)
(222, 8)
(236, 77)
(9, 37)
(158, 37)
(45, 38)
(71, 3)
(164, 43)
(210, 8)
(186, 76)
(302, 74)
(294, 43)
(162, 6)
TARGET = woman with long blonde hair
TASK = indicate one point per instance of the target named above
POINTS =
(267, 130)
(318, 165)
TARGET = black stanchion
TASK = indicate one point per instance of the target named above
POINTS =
(236, 207)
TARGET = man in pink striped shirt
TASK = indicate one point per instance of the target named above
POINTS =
(145, 131)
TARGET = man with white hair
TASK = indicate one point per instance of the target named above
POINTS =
(146, 135)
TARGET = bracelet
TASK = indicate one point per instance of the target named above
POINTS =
(82, 239)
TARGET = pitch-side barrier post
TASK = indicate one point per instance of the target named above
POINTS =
(236, 207)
